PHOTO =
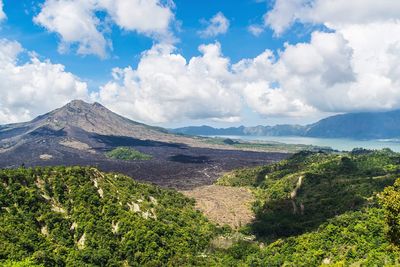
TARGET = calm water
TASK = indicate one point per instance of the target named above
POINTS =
(339, 144)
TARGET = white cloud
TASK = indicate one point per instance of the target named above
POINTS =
(256, 30)
(352, 68)
(332, 13)
(217, 25)
(269, 101)
(76, 21)
(34, 87)
(166, 87)
(2, 14)
(148, 17)
(334, 72)
(286, 86)
(284, 13)
(342, 12)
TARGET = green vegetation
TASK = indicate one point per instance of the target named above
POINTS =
(318, 208)
(352, 238)
(23, 263)
(313, 209)
(390, 200)
(81, 217)
(298, 194)
(126, 153)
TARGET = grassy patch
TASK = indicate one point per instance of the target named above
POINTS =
(126, 153)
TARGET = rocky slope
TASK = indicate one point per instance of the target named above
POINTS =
(81, 134)
(78, 117)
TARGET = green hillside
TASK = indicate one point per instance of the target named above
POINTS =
(354, 238)
(298, 194)
(82, 217)
(317, 208)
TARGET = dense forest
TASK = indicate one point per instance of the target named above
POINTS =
(82, 217)
(313, 209)
(322, 209)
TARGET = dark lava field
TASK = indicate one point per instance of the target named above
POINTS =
(173, 165)
(80, 133)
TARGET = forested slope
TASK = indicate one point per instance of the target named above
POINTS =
(316, 208)
(82, 217)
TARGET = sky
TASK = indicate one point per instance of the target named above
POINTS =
(186, 62)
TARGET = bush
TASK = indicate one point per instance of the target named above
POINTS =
(126, 153)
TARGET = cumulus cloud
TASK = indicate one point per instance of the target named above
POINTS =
(34, 87)
(291, 84)
(147, 17)
(352, 68)
(342, 12)
(332, 13)
(76, 22)
(166, 87)
(284, 13)
(332, 73)
(2, 14)
(256, 30)
(217, 25)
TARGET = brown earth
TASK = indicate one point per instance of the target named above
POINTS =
(224, 204)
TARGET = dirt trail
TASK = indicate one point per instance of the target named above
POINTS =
(223, 204)
(293, 195)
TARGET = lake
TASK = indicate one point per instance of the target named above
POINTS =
(335, 143)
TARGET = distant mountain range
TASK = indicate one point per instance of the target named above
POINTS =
(367, 125)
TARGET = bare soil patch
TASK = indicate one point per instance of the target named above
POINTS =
(77, 145)
(224, 204)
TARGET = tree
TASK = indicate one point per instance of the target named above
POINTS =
(390, 200)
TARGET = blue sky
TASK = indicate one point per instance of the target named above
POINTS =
(315, 64)
(238, 43)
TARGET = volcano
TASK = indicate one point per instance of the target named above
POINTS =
(81, 133)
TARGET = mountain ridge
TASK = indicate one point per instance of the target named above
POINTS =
(362, 125)
(78, 118)
(93, 118)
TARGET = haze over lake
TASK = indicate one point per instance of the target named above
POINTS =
(343, 144)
